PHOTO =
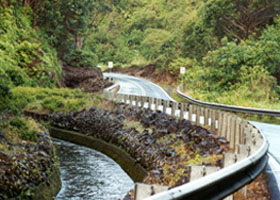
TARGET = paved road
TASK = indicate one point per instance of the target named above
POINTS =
(136, 86)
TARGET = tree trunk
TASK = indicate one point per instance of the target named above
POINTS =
(79, 41)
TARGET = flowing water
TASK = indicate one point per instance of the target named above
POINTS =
(90, 175)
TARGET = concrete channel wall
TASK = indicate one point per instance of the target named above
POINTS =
(246, 141)
(131, 167)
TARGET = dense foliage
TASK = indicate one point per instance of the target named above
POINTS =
(228, 46)
(219, 41)
(35, 35)
(25, 59)
(248, 70)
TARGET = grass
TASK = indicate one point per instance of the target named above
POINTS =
(137, 125)
(45, 100)
(252, 117)
(18, 129)
(238, 98)
(243, 102)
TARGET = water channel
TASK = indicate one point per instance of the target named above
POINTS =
(88, 174)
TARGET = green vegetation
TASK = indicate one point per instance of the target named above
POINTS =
(27, 157)
(45, 100)
(246, 73)
(36, 38)
(25, 59)
(230, 48)
(21, 128)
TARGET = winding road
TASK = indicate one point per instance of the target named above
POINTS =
(137, 86)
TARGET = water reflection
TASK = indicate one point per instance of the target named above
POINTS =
(88, 174)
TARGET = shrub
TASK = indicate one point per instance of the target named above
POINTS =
(26, 58)
(18, 125)
(49, 100)
(81, 58)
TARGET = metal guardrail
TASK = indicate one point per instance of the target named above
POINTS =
(245, 139)
(275, 113)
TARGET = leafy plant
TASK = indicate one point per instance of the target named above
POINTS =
(81, 58)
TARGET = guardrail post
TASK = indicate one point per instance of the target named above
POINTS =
(157, 102)
(228, 133)
(244, 150)
(232, 141)
(198, 171)
(149, 102)
(130, 99)
(164, 106)
(125, 98)
(224, 125)
(173, 108)
(230, 158)
(197, 115)
(213, 120)
(206, 117)
(202, 114)
(220, 122)
(143, 191)
(242, 134)
(136, 101)
(182, 109)
(143, 101)
(237, 133)
(190, 112)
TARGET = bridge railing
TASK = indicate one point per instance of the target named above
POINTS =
(248, 145)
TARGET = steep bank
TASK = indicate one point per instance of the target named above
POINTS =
(89, 79)
(29, 168)
(149, 72)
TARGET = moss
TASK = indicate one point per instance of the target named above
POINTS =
(47, 190)
(137, 125)
(22, 127)
(25, 164)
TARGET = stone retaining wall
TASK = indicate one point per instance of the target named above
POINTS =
(48, 189)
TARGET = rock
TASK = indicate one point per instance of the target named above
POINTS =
(91, 79)
(4, 156)
(2, 135)
(171, 129)
(221, 140)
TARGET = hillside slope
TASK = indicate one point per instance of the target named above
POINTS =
(229, 48)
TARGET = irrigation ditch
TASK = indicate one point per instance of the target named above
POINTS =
(239, 166)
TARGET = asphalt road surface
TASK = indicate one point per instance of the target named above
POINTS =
(137, 86)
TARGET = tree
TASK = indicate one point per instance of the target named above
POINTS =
(67, 21)
(239, 18)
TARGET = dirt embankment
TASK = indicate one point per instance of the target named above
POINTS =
(149, 72)
(90, 79)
